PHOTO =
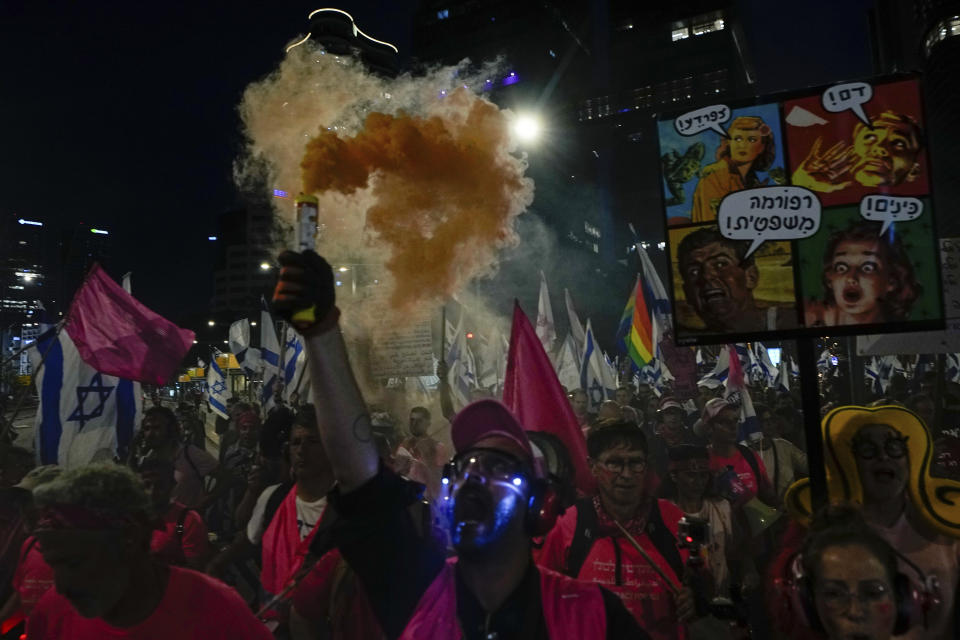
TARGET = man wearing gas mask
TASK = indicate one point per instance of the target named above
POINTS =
(494, 496)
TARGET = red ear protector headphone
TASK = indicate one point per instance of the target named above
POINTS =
(913, 598)
(543, 500)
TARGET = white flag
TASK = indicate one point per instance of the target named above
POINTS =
(568, 364)
(546, 329)
(576, 327)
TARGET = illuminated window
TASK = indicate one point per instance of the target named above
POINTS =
(707, 26)
(943, 29)
(680, 33)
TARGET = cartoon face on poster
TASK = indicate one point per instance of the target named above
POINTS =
(715, 151)
(858, 139)
(812, 214)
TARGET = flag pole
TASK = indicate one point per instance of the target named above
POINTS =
(443, 331)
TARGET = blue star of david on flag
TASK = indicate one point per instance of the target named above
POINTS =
(102, 392)
(218, 388)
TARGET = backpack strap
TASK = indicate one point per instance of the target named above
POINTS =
(752, 461)
(584, 536)
(664, 540)
(274, 502)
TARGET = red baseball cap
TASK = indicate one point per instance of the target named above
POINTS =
(484, 419)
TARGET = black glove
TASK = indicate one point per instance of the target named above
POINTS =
(305, 292)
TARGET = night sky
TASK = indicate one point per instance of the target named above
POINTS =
(122, 115)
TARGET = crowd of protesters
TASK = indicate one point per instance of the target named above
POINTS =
(332, 521)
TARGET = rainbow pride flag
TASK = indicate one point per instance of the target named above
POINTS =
(635, 333)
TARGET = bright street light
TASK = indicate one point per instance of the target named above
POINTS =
(265, 266)
(211, 323)
(253, 324)
(527, 128)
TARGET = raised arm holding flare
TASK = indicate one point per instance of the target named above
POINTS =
(306, 279)
(497, 495)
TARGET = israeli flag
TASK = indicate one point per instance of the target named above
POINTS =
(823, 362)
(218, 389)
(595, 373)
(461, 365)
(270, 355)
(248, 357)
(84, 415)
(952, 367)
(295, 375)
(720, 371)
(782, 383)
(764, 363)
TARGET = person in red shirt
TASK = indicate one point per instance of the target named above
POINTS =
(587, 544)
(32, 577)
(740, 473)
(183, 539)
(94, 525)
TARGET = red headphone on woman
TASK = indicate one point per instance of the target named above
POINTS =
(913, 597)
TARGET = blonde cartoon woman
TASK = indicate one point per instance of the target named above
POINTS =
(879, 460)
(749, 149)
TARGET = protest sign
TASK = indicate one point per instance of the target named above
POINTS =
(801, 214)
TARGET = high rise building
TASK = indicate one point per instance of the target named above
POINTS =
(923, 36)
(245, 269)
(597, 73)
(81, 245)
(23, 276)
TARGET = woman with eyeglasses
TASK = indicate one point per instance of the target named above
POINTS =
(881, 454)
(845, 578)
(879, 459)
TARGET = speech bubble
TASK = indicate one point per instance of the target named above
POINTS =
(889, 209)
(852, 96)
(693, 122)
(769, 213)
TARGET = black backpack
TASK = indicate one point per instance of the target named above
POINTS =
(585, 534)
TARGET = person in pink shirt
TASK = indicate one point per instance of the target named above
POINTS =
(183, 539)
(94, 526)
(740, 473)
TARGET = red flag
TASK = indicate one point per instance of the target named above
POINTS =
(533, 393)
(117, 335)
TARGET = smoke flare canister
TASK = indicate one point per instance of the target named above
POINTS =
(307, 208)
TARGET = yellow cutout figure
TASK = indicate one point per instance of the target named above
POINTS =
(935, 500)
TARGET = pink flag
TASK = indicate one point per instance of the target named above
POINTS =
(533, 393)
(118, 336)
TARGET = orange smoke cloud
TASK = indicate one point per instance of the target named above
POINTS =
(446, 191)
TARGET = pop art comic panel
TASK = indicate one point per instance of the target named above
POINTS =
(853, 272)
(697, 171)
(842, 159)
(718, 291)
